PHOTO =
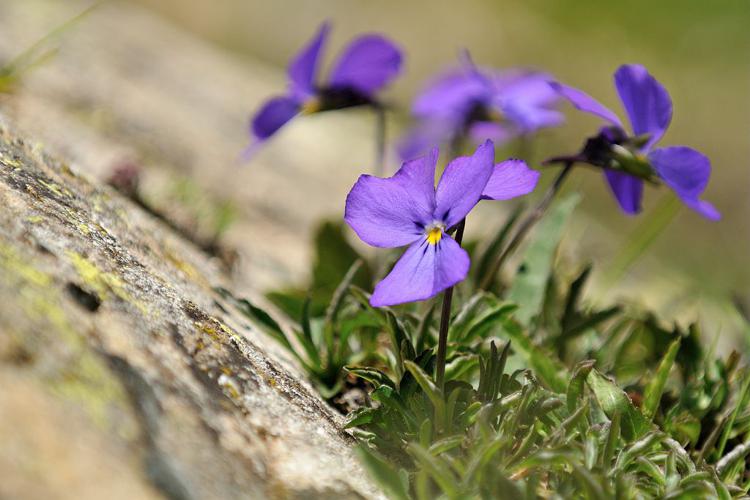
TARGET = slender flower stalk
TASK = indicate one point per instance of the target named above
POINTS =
(445, 318)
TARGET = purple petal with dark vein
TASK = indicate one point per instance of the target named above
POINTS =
(646, 101)
(509, 179)
(584, 102)
(628, 190)
(686, 171)
(422, 272)
(462, 183)
(304, 67)
(369, 63)
(393, 212)
(273, 115)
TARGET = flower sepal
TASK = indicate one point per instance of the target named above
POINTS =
(633, 163)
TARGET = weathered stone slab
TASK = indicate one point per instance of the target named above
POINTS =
(122, 374)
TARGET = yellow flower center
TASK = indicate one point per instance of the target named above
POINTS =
(310, 106)
(434, 235)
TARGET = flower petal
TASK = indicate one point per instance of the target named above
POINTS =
(683, 169)
(627, 189)
(703, 207)
(422, 272)
(462, 183)
(526, 98)
(450, 95)
(273, 115)
(584, 102)
(527, 87)
(686, 171)
(303, 68)
(509, 179)
(424, 136)
(531, 118)
(393, 212)
(368, 63)
(646, 101)
(499, 133)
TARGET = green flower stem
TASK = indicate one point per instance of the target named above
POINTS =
(445, 317)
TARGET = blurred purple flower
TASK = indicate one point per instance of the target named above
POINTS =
(629, 160)
(367, 64)
(480, 104)
(407, 209)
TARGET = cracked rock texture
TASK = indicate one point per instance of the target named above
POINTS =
(124, 375)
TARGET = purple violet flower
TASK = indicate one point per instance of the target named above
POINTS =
(480, 104)
(407, 209)
(367, 65)
(628, 161)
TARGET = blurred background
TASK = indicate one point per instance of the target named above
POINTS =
(699, 50)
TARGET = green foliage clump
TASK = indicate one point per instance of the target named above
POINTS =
(545, 395)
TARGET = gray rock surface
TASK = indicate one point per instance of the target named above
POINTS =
(122, 373)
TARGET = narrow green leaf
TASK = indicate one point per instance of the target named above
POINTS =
(385, 475)
(544, 364)
(650, 469)
(730, 459)
(569, 423)
(482, 325)
(613, 436)
(441, 474)
(529, 286)
(422, 333)
(306, 339)
(372, 375)
(338, 296)
(490, 253)
(466, 315)
(640, 447)
(588, 321)
(739, 405)
(575, 387)
(641, 238)
(360, 417)
(446, 444)
(426, 383)
(655, 386)
(461, 366)
(573, 298)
